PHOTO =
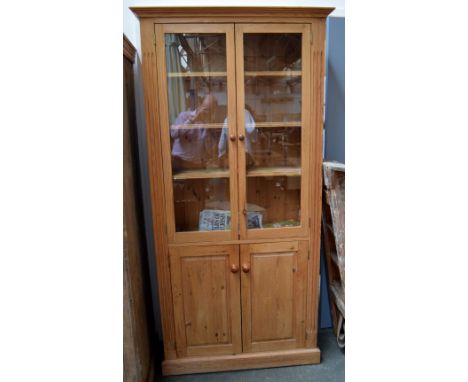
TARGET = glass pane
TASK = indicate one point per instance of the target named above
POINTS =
(197, 101)
(272, 64)
(273, 201)
(273, 128)
(202, 205)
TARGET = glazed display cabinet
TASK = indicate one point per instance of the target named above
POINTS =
(234, 117)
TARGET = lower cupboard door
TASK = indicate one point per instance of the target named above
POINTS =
(274, 277)
(206, 294)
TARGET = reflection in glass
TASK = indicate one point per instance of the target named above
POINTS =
(274, 98)
(274, 201)
(276, 147)
(202, 205)
(272, 51)
(273, 93)
(197, 103)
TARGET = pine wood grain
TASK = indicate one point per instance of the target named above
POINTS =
(241, 361)
(206, 300)
(232, 12)
(274, 73)
(196, 74)
(317, 70)
(207, 173)
(274, 171)
(188, 277)
(273, 296)
(158, 201)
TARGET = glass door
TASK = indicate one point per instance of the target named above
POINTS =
(273, 118)
(198, 126)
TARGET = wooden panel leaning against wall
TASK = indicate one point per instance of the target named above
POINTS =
(137, 350)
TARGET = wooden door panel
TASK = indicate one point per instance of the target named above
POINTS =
(273, 295)
(206, 300)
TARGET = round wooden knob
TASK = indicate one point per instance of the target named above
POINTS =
(234, 268)
(241, 137)
(232, 138)
(246, 268)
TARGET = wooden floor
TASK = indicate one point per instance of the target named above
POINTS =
(330, 369)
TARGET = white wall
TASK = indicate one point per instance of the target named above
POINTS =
(131, 24)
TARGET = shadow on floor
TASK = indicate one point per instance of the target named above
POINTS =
(331, 369)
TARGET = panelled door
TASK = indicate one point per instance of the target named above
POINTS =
(273, 121)
(273, 282)
(197, 111)
(206, 295)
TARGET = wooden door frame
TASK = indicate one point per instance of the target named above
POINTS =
(228, 30)
(304, 228)
(297, 340)
(233, 306)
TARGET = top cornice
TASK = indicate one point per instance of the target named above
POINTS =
(277, 12)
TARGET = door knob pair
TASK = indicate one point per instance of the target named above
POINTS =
(233, 138)
(245, 268)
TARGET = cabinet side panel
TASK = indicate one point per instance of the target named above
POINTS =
(150, 84)
(316, 107)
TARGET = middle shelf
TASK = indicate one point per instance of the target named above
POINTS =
(221, 125)
(212, 173)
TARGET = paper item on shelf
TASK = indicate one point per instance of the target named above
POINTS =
(254, 219)
(214, 220)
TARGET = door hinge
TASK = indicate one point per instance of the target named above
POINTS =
(308, 254)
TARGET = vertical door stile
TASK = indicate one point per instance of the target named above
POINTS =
(239, 44)
(232, 127)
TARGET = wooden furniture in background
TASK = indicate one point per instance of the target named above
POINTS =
(138, 349)
(234, 108)
(333, 231)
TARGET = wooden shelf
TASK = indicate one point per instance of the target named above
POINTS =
(276, 73)
(198, 126)
(274, 171)
(279, 124)
(221, 125)
(197, 74)
(204, 173)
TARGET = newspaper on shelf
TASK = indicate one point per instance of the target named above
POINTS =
(220, 220)
(214, 220)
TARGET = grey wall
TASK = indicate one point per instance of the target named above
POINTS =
(335, 93)
(334, 127)
(145, 186)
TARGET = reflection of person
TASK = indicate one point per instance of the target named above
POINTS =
(189, 141)
(250, 134)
